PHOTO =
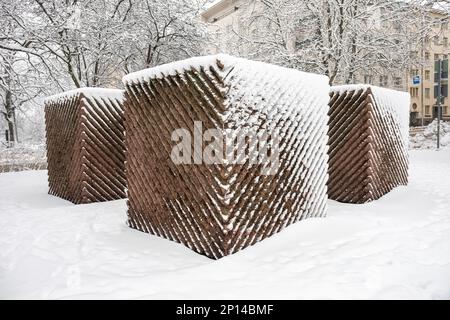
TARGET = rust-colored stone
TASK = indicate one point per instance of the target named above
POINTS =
(219, 209)
(85, 145)
(368, 130)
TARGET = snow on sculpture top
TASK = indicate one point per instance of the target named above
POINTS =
(395, 102)
(87, 92)
(229, 65)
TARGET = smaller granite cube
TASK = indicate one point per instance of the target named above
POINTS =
(368, 130)
(219, 207)
(85, 145)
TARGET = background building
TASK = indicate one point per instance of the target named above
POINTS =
(424, 94)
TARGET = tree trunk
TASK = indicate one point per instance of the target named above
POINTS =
(10, 118)
(11, 133)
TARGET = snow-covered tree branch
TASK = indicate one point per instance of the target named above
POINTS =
(75, 43)
(338, 38)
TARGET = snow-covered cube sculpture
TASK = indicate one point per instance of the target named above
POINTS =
(217, 203)
(86, 145)
(368, 130)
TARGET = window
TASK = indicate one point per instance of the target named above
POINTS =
(436, 57)
(427, 74)
(414, 92)
(444, 71)
(414, 106)
(444, 91)
(427, 55)
(427, 93)
(427, 110)
(398, 81)
(383, 81)
(414, 72)
(427, 40)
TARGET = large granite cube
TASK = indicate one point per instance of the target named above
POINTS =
(368, 142)
(219, 207)
(85, 145)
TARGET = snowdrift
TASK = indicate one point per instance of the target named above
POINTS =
(427, 138)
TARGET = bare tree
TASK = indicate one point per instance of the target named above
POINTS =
(69, 44)
(163, 31)
(91, 43)
(338, 38)
(20, 70)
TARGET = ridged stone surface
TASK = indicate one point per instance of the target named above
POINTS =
(85, 145)
(219, 209)
(368, 142)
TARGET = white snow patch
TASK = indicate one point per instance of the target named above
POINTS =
(427, 139)
(397, 103)
(395, 247)
(349, 87)
(211, 4)
(23, 153)
(229, 62)
(88, 92)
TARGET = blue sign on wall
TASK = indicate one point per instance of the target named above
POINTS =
(416, 80)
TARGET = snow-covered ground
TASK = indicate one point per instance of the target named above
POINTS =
(427, 139)
(24, 156)
(396, 247)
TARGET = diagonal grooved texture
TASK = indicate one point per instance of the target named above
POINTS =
(86, 145)
(368, 130)
(219, 209)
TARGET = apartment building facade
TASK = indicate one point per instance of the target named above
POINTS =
(424, 91)
(418, 80)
